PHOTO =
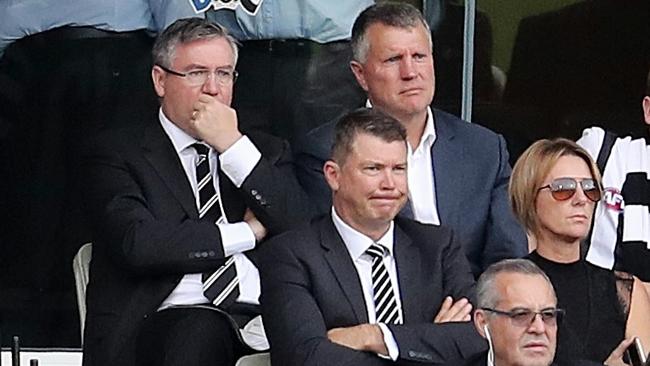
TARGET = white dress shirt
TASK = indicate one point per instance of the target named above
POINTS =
(421, 181)
(236, 163)
(357, 244)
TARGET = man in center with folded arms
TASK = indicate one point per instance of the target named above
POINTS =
(360, 286)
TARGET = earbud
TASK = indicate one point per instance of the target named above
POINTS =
(487, 331)
(491, 348)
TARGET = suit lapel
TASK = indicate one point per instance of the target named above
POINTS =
(343, 269)
(160, 153)
(448, 172)
(408, 267)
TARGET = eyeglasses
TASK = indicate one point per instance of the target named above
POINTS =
(526, 317)
(200, 76)
(564, 188)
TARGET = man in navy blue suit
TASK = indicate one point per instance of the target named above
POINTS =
(458, 172)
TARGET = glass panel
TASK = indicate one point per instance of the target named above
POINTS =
(559, 66)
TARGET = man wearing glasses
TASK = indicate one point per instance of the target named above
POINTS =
(517, 313)
(178, 205)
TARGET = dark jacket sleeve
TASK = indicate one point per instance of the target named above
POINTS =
(505, 237)
(293, 321)
(138, 217)
(311, 154)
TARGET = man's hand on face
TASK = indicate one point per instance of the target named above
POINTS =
(362, 337)
(215, 123)
(451, 311)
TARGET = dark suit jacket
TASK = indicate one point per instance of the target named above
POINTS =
(310, 285)
(147, 233)
(471, 172)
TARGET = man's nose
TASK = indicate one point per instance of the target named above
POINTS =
(407, 68)
(211, 85)
(388, 181)
(537, 326)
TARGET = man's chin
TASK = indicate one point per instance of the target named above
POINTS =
(386, 213)
(537, 357)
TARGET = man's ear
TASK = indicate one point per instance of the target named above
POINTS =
(358, 71)
(331, 170)
(158, 76)
(646, 109)
(480, 322)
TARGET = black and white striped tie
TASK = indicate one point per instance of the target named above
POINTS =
(386, 309)
(221, 286)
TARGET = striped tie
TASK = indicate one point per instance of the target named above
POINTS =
(221, 286)
(386, 309)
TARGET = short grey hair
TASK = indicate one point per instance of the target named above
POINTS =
(487, 295)
(185, 31)
(400, 15)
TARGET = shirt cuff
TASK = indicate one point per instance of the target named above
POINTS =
(236, 238)
(249, 283)
(389, 341)
(239, 160)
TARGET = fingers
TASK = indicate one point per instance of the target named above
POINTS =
(214, 122)
(205, 103)
(450, 311)
(348, 337)
(446, 304)
(259, 230)
(460, 311)
(362, 337)
(616, 357)
(206, 99)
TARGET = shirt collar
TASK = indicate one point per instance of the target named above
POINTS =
(180, 139)
(429, 133)
(356, 242)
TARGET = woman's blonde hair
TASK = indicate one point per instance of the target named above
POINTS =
(531, 169)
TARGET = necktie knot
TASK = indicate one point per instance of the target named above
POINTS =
(376, 251)
(200, 148)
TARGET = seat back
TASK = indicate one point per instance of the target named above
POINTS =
(80, 267)
(258, 359)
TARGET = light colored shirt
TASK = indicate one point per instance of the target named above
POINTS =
(357, 245)
(237, 162)
(421, 177)
(317, 20)
(628, 157)
(421, 180)
(20, 18)
(165, 12)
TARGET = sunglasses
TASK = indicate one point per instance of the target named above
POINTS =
(564, 188)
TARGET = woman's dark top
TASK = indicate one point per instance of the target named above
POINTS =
(597, 303)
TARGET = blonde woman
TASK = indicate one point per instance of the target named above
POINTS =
(553, 189)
